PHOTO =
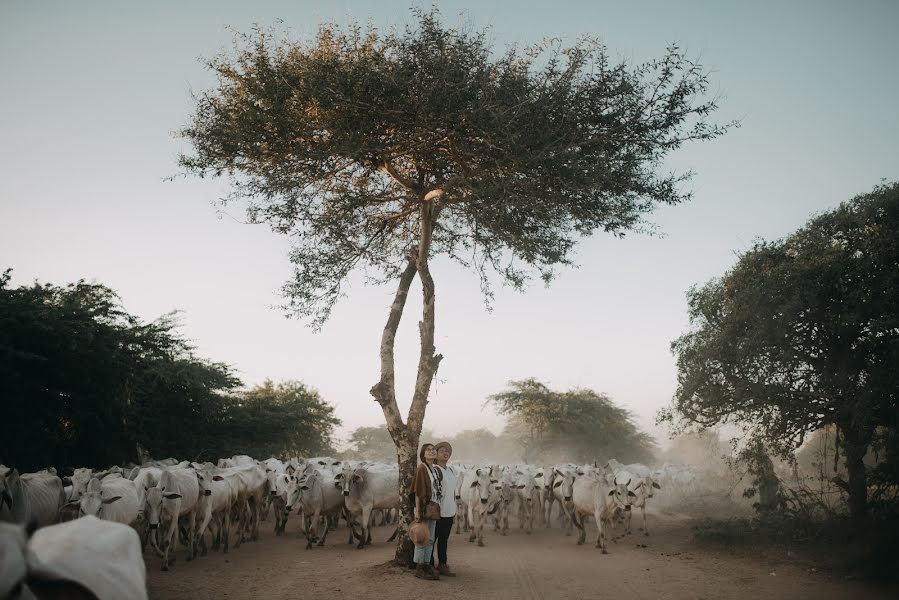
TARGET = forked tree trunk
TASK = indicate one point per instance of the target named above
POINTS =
(406, 435)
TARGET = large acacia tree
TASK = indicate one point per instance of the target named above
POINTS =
(380, 150)
(803, 333)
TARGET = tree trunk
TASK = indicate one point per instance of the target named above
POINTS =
(855, 447)
(406, 435)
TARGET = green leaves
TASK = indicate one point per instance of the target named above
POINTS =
(83, 382)
(802, 332)
(579, 424)
(335, 141)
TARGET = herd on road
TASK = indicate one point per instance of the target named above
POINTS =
(115, 514)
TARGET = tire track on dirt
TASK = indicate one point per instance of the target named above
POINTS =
(530, 590)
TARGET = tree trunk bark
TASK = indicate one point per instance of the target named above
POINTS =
(854, 447)
(406, 435)
(405, 440)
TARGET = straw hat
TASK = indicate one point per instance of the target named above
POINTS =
(418, 533)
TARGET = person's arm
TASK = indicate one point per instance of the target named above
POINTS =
(417, 509)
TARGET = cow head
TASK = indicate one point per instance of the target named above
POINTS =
(563, 483)
(482, 483)
(204, 482)
(154, 503)
(621, 496)
(92, 501)
(647, 485)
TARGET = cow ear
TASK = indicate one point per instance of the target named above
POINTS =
(539, 474)
(218, 478)
(111, 500)
(172, 495)
(630, 493)
(338, 463)
(580, 472)
(493, 481)
(473, 484)
(611, 492)
(557, 484)
(321, 462)
(521, 487)
(656, 485)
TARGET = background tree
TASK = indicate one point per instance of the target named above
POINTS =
(579, 425)
(803, 333)
(284, 419)
(375, 443)
(379, 150)
(83, 382)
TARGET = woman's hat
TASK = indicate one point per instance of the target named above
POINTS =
(418, 533)
(440, 445)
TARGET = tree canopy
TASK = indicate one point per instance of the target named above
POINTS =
(580, 424)
(84, 382)
(802, 333)
(336, 142)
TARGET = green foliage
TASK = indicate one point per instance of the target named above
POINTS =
(374, 443)
(337, 141)
(286, 419)
(580, 424)
(83, 382)
(801, 333)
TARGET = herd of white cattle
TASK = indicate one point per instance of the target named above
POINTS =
(114, 514)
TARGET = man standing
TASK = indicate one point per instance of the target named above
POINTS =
(447, 507)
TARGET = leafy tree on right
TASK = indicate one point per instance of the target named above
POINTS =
(802, 333)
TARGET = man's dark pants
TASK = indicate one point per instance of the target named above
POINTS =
(443, 530)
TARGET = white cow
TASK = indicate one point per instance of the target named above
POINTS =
(590, 498)
(173, 500)
(84, 558)
(319, 498)
(217, 496)
(482, 490)
(285, 486)
(563, 481)
(79, 480)
(365, 488)
(622, 497)
(30, 497)
(113, 499)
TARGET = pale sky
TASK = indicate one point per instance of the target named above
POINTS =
(93, 91)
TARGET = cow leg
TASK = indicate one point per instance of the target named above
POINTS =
(600, 535)
(643, 513)
(581, 525)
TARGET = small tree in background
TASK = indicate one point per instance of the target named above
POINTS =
(379, 151)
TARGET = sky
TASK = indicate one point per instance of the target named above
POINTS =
(92, 93)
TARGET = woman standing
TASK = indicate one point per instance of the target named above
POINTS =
(426, 487)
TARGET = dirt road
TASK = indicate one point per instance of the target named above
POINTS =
(546, 564)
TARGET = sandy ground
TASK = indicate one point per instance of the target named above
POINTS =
(546, 564)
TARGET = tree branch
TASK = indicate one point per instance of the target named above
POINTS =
(384, 391)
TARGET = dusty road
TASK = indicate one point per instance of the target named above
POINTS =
(544, 565)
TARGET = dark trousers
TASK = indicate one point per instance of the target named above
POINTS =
(443, 530)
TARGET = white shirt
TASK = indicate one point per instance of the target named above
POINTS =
(448, 503)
